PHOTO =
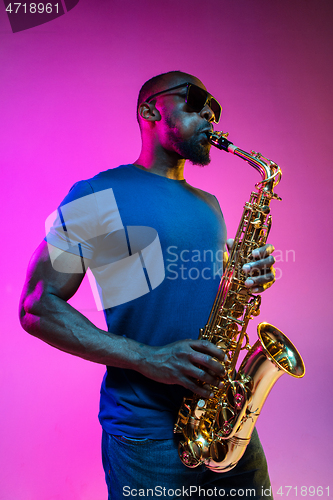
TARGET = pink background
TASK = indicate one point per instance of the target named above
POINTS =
(69, 90)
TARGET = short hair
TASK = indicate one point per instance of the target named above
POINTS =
(149, 86)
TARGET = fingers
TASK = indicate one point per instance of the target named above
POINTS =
(200, 386)
(206, 347)
(194, 364)
(206, 370)
(262, 252)
(203, 391)
(261, 274)
(230, 242)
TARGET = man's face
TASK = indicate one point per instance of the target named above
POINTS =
(182, 130)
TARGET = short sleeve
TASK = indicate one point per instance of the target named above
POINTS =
(74, 225)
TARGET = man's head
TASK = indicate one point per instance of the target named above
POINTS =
(178, 119)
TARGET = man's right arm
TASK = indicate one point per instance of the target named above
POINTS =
(46, 314)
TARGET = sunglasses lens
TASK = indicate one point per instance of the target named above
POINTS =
(197, 98)
(216, 108)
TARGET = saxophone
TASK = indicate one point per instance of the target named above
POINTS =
(217, 430)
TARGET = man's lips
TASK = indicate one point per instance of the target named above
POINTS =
(205, 133)
(208, 130)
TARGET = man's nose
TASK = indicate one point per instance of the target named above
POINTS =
(207, 113)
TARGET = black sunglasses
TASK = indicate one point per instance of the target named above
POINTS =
(196, 98)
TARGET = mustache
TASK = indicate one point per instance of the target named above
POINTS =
(205, 129)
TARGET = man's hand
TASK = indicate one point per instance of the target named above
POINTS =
(189, 363)
(260, 273)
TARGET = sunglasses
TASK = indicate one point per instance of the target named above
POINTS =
(196, 98)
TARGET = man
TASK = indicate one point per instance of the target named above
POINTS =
(151, 358)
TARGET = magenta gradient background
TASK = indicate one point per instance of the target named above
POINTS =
(69, 91)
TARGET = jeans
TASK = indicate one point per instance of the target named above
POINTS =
(152, 469)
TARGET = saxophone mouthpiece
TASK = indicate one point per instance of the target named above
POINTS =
(219, 140)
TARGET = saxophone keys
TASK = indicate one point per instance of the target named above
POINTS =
(256, 223)
(226, 429)
(239, 401)
(187, 453)
(255, 154)
(218, 450)
(223, 418)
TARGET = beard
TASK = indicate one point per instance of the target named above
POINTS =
(192, 149)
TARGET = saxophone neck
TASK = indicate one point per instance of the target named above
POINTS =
(269, 171)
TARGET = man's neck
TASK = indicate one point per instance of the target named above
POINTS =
(170, 167)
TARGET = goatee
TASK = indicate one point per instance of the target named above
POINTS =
(194, 151)
(191, 149)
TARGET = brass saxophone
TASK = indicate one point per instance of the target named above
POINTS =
(217, 430)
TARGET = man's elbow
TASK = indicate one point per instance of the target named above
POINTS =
(30, 311)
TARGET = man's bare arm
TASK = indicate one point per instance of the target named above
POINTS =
(45, 313)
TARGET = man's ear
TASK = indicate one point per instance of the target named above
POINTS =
(148, 112)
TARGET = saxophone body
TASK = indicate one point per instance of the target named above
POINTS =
(217, 430)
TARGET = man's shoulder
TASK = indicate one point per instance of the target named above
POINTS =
(105, 179)
(208, 197)
(101, 181)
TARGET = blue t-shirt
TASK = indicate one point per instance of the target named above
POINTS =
(155, 246)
